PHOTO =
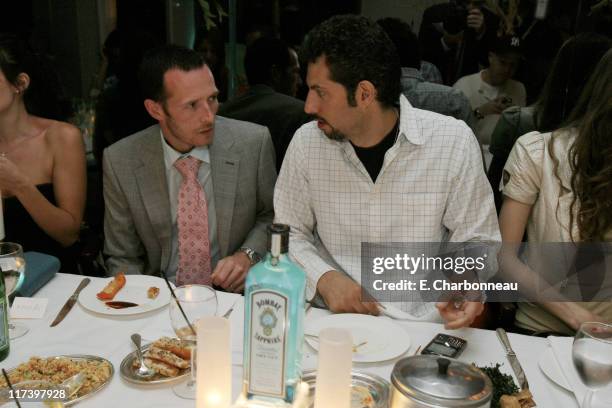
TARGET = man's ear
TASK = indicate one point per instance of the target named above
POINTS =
(155, 109)
(365, 93)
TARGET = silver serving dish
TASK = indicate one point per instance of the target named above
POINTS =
(428, 381)
(128, 371)
(82, 357)
(367, 390)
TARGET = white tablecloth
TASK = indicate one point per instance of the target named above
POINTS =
(83, 332)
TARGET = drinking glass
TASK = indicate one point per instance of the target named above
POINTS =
(197, 301)
(12, 263)
(592, 356)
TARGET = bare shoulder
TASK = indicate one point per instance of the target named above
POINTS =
(62, 135)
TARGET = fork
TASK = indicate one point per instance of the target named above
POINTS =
(230, 310)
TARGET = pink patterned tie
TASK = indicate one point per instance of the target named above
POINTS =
(192, 222)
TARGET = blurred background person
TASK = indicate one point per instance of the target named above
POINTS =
(570, 72)
(212, 47)
(42, 163)
(455, 36)
(120, 110)
(421, 93)
(273, 74)
(492, 90)
(558, 186)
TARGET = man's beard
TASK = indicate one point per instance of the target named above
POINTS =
(335, 134)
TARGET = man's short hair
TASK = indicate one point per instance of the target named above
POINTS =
(406, 42)
(160, 60)
(261, 56)
(356, 49)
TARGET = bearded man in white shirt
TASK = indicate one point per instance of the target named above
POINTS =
(368, 170)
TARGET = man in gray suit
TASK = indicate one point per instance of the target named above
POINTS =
(144, 188)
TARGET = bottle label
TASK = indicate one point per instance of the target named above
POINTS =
(4, 338)
(268, 343)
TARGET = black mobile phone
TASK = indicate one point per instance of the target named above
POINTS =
(445, 345)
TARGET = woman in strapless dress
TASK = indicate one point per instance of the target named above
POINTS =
(42, 164)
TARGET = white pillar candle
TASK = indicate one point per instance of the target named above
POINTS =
(214, 363)
(334, 371)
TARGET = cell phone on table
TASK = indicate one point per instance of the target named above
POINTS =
(445, 345)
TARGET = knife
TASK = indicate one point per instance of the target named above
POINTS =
(70, 302)
(511, 356)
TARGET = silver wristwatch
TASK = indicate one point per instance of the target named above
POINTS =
(252, 254)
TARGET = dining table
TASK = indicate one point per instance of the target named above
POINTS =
(89, 333)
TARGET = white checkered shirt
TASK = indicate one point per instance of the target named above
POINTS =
(431, 188)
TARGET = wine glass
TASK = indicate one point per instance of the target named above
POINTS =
(592, 356)
(196, 301)
(12, 263)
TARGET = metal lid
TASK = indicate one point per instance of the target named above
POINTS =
(441, 381)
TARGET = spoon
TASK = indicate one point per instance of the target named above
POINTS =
(73, 384)
(143, 371)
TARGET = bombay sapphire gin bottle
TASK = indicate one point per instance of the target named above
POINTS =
(274, 323)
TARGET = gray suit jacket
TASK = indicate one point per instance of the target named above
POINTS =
(137, 220)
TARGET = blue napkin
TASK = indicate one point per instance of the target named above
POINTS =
(40, 268)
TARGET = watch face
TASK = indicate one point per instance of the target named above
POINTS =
(253, 256)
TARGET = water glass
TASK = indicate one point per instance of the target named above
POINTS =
(196, 302)
(12, 263)
(592, 356)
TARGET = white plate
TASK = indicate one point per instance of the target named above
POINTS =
(385, 339)
(549, 366)
(135, 291)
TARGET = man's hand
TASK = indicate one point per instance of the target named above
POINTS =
(494, 107)
(343, 295)
(231, 271)
(475, 20)
(460, 315)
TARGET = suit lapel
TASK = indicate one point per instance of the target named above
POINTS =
(151, 177)
(224, 168)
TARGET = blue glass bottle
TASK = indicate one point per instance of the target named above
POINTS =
(274, 323)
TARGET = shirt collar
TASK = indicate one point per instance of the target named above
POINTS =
(413, 73)
(409, 128)
(171, 156)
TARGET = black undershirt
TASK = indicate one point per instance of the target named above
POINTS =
(373, 157)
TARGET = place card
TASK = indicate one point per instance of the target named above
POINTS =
(28, 308)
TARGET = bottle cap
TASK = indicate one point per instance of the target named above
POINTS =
(278, 239)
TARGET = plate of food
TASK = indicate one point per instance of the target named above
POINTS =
(168, 357)
(125, 295)
(55, 370)
(368, 344)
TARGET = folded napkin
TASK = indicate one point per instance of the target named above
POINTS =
(39, 270)
(562, 350)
